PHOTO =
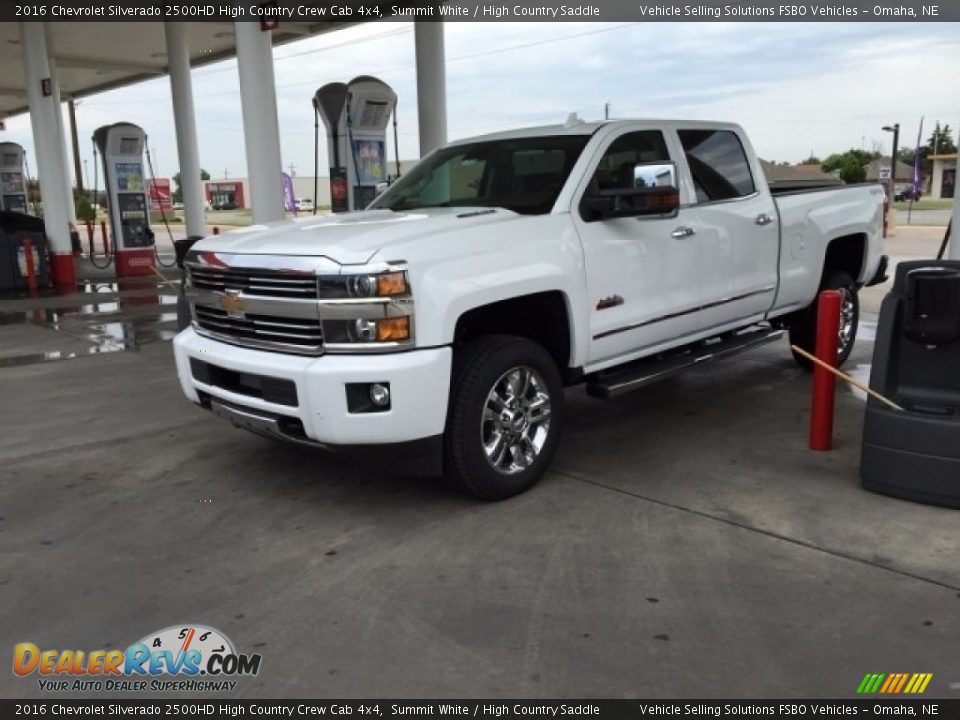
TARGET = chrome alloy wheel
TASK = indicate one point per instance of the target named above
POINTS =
(848, 310)
(516, 420)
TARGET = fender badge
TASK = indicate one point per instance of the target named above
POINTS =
(609, 302)
(232, 303)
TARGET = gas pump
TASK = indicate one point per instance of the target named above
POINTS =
(121, 146)
(356, 116)
(13, 186)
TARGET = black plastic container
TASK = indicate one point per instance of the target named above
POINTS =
(915, 454)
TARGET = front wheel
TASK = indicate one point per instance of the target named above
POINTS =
(506, 409)
(803, 329)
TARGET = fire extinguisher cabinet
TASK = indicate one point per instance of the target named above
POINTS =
(915, 453)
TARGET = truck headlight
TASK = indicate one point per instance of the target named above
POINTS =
(359, 332)
(373, 285)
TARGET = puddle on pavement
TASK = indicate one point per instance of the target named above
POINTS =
(147, 315)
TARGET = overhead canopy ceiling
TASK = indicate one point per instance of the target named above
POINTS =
(93, 57)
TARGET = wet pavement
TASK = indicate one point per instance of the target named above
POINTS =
(685, 543)
(102, 316)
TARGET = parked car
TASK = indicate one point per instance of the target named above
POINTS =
(304, 204)
(442, 324)
(906, 191)
(178, 206)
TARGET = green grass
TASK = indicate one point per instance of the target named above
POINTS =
(925, 204)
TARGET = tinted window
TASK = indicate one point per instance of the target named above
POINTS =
(718, 164)
(522, 174)
(615, 170)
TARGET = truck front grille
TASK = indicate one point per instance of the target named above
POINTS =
(265, 283)
(263, 331)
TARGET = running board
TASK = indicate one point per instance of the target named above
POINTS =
(640, 373)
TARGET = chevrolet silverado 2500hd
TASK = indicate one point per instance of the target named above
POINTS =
(442, 323)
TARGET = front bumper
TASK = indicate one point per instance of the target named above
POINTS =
(419, 387)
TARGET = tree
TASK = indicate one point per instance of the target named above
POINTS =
(852, 164)
(178, 191)
(941, 141)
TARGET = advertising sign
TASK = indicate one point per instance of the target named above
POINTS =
(160, 197)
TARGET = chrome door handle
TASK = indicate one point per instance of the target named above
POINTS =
(682, 232)
(763, 219)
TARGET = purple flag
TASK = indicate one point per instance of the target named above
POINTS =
(916, 163)
(289, 201)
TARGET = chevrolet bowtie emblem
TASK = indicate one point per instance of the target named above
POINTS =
(232, 303)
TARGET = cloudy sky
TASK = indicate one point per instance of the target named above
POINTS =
(797, 88)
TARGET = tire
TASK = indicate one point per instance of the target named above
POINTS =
(803, 328)
(488, 415)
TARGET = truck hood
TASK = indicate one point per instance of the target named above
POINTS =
(351, 238)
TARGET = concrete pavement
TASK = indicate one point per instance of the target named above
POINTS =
(685, 544)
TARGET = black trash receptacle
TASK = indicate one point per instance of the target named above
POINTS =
(915, 454)
(14, 229)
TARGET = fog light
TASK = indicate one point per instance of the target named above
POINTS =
(380, 394)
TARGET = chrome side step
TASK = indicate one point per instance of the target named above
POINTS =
(640, 373)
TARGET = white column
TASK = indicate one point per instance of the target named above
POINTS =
(184, 121)
(61, 131)
(49, 150)
(261, 132)
(431, 85)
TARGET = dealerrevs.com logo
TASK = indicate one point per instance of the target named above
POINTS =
(179, 658)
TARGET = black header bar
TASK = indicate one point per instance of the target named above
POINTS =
(489, 11)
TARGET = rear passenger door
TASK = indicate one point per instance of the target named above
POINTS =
(736, 226)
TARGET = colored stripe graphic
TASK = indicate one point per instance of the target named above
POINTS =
(894, 683)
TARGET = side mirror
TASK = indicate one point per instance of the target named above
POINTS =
(651, 189)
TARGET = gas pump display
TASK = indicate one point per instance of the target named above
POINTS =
(356, 117)
(13, 187)
(121, 147)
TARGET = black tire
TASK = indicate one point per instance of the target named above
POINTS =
(479, 369)
(803, 327)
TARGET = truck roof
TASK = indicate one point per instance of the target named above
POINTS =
(582, 127)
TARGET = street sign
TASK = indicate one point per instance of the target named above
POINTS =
(884, 173)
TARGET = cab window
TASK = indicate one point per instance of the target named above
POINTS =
(615, 170)
(718, 164)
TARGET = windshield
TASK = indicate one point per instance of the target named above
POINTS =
(521, 174)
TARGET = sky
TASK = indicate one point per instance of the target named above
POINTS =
(797, 88)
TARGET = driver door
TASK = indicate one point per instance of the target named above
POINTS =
(642, 273)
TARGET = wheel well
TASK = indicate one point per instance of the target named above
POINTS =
(541, 317)
(846, 253)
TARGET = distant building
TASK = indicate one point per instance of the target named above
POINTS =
(234, 192)
(943, 179)
(798, 177)
(876, 168)
(228, 193)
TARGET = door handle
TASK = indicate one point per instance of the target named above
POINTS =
(682, 232)
(763, 219)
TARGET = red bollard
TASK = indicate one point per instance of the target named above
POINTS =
(31, 269)
(216, 230)
(829, 305)
(89, 225)
(106, 240)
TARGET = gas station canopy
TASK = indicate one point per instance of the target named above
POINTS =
(93, 57)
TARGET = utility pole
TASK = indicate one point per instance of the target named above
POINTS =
(293, 170)
(72, 109)
(606, 111)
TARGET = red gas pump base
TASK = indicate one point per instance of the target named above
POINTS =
(63, 272)
(134, 262)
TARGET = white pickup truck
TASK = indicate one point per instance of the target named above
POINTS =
(441, 325)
